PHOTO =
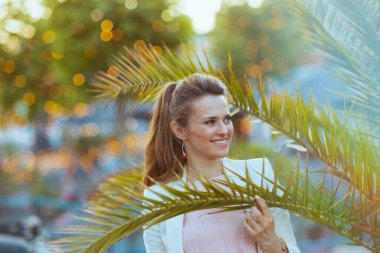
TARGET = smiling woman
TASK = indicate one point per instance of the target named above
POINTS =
(207, 135)
(191, 128)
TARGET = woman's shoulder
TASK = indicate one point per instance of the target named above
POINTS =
(155, 191)
(258, 169)
(257, 164)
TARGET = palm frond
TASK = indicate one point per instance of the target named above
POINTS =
(321, 133)
(347, 34)
(129, 211)
(350, 157)
(141, 74)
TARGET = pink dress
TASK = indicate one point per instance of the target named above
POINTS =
(222, 232)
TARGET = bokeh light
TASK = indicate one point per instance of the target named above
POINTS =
(89, 129)
(131, 4)
(139, 45)
(254, 70)
(81, 109)
(28, 32)
(158, 26)
(96, 15)
(157, 49)
(166, 16)
(79, 79)
(106, 25)
(53, 109)
(113, 147)
(29, 98)
(117, 35)
(13, 44)
(9, 66)
(49, 37)
(20, 81)
(106, 36)
(113, 71)
(56, 55)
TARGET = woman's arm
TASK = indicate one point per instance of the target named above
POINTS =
(152, 236)
(152, 240)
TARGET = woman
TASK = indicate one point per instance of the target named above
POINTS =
(191, 126)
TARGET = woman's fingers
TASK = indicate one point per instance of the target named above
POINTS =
(249, 229)
(259, 216)
(263, 206)
(259, 222)
(256, 214)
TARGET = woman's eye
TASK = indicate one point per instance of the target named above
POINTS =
(210, 122)
(227, 120)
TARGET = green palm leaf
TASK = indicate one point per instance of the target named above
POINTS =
(347, 34)
(319, 132)
(141, 75)
(129, 211)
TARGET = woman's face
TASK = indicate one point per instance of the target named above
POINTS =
(209, 128)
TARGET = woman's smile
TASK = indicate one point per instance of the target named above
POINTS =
(222, 142)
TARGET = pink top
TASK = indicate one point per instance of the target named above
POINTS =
(221, 232)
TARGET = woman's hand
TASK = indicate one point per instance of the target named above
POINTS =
(259, 223)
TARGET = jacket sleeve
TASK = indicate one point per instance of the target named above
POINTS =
(152, 236)
(283, 228)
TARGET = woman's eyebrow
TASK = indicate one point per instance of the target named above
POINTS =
(215, 117)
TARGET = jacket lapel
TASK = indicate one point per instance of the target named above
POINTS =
(174, 228)
(174, 234)
(236, 167)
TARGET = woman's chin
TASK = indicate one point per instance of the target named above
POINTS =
(221, 154)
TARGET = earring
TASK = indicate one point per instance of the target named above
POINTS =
(184, 156)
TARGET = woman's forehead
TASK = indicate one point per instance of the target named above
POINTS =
(210, 106)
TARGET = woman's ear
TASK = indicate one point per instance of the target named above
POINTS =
(178, 131)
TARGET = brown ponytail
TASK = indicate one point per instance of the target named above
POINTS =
(163, 152)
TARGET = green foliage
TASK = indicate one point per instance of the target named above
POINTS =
(262, 39)
(50, 71)
(347, 34)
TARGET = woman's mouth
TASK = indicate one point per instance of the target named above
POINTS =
(221, 142)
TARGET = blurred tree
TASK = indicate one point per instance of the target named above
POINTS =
(259, 39)
(44, 70)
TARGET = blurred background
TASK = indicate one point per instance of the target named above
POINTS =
(57, 143)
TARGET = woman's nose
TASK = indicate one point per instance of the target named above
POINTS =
(222, 129)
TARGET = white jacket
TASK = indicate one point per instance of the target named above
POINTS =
(166, 237)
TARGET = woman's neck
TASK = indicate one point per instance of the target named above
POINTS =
(204, 167)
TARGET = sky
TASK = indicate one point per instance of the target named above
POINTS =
(203, 12)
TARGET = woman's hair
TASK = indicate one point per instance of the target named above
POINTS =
(163, 153)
